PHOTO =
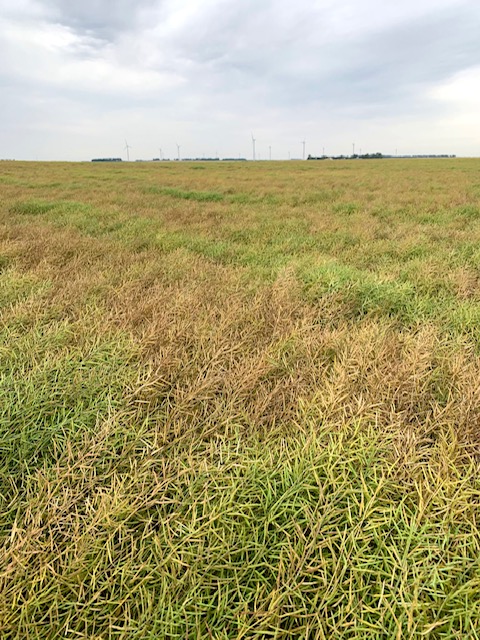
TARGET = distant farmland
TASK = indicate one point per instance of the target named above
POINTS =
(240, 400)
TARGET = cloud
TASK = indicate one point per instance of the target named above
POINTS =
(226, 67)
(287, 55)
(102, 18)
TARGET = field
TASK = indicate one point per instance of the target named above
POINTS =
(240, 400)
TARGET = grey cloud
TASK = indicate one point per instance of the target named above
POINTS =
(284, 50)
(296, 64)
(100, 18)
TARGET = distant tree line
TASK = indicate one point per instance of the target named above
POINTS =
(364, 156)
(378, 155)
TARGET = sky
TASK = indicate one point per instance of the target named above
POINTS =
(80, 79)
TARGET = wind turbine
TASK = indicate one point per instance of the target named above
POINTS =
(127, 147)
(253, 144)
(161, 153)
(178, 150)
(270, 152)
(303, 142)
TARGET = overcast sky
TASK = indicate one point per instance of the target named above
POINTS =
(77, 78)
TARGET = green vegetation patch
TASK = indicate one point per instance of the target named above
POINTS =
(346, 208)
(52, 389)
(367, 293)
(80, 215)
(182, 194)
(32, 207)
(468, 211)
(16, 287)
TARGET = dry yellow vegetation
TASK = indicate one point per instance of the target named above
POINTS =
(240, 400)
